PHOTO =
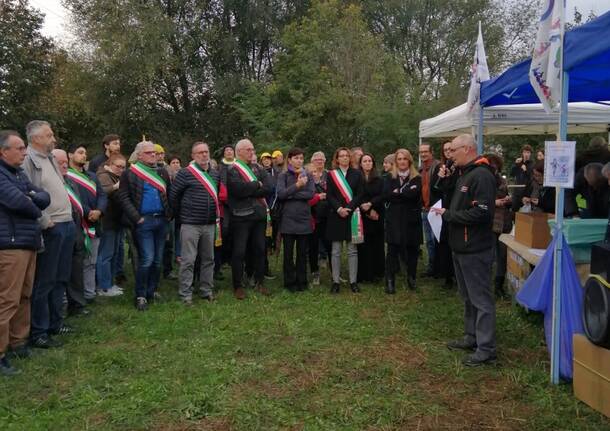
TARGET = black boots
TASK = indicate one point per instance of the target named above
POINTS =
(334, 288)
(390, 286)
(411, 283)
(354, 287)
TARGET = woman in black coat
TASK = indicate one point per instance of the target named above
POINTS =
(343, 210)
(446, 185)
(371, 253)
(402, 194)
(295, 187)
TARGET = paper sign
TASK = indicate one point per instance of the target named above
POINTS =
(559, 161)
(435, 220)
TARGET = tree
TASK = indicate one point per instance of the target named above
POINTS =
(333, 85)
(26, 65)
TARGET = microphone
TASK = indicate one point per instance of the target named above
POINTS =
(448, 165)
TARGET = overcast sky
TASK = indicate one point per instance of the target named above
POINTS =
(56, 18)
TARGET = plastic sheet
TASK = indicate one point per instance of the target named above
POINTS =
(537, 294)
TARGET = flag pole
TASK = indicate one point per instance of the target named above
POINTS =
(480, 130)
(559, 208)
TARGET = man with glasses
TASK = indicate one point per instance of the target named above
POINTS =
(21, 204)
(248, 184)
(470, 220)
(143, 193)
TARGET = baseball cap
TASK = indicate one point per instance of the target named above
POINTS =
(277, 153)
(159, 149)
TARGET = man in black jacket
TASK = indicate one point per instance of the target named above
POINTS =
(143, 195)
(194, 197)
(248, 184)
(470, 219)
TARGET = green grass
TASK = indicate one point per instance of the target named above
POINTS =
(307, 361)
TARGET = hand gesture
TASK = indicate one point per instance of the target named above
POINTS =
(366, 206)
(443, 171)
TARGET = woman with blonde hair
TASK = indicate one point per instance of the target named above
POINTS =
(344, 193)
(403, 201)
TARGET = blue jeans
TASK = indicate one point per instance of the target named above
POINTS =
(51, 281)
(150, 238)
(106, 258)
(429, 239)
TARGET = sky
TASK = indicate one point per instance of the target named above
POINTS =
(57, 17)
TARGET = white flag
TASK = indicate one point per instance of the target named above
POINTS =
(478, 73)
(546, 68)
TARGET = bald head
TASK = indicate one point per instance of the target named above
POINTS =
(61, 157)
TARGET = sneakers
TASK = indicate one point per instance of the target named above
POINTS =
(62, 330)
(240, 293)
(45, 342)
(141, 303)
(315, 279)
(477, 359)
(113, 291)
(209, 298)
(269, 276)
(187, 302)
(461, 344)
(6, 369)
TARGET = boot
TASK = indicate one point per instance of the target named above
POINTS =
(411, 283)
(334, 288)
(390, 286)
(499, 287)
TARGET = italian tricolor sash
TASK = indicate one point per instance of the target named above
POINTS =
(148, 174)
(357, 227)
(82, 180)
(88, 231)
(247, 174)
(211, 187)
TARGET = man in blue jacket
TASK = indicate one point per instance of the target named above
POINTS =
(94, 202)
(21, 205)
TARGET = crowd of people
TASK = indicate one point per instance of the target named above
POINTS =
(65, 222)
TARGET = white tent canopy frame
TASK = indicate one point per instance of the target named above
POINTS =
(531, 119)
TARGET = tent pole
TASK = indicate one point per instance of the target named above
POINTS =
(480, 131)
(559, 206)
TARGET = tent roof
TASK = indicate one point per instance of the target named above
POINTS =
(586, 58)
(517, 120)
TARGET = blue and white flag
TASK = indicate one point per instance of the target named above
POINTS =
(478, 73)
(546, 68)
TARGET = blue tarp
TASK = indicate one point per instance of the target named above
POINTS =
(587, 59)
(537, 294)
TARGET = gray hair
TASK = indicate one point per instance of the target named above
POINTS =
(133, 158)
(5, 137)
(196, 144)
(32, 128)
(318, 154)
(241, 143)
(468, 140)
(606, 170)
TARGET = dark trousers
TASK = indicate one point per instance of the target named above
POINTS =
(408, 254)
(295, 272)
(244, 232)
(371, 258)
(473, 275)
(317, 238)
(501, 253)
(76, 288)
(53, 270)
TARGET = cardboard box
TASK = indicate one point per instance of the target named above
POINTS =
(592, 374)
(517, 270)
(532, 229)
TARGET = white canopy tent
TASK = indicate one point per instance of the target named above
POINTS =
(583, 117)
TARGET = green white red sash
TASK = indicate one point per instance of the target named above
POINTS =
(357, 228)
(148, 174)
(247, 174)
(88, 231)
(211, 187)
(82, 180)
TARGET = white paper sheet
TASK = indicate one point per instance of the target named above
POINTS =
(435, 220)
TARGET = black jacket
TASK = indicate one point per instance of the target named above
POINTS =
(91, 202)
(403, 225)
(244, 197)
(373, 193)
(598, 199)
(130, 196)
(471, 213)
(21, 203)
(296, 214)
(191, 202)
(338, 228)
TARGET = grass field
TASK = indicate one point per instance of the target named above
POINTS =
(306, 361)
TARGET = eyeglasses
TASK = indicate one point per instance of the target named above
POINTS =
(453, 150)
